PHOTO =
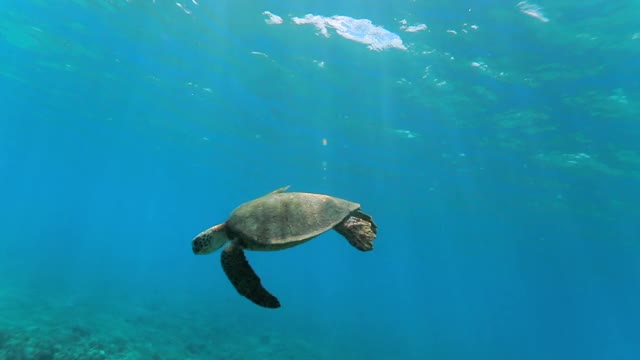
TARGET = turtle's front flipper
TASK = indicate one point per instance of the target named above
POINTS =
(244, 279)
(359, 229)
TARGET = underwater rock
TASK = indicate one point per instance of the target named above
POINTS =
(80, 331)
(15, 353)
(194, 349)
(265, 339)
(4, 338)
(44, 354)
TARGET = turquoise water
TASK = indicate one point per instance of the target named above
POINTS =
(495, 144)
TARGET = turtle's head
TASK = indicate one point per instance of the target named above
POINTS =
(209, 240)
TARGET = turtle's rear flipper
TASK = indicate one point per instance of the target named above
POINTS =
(359, 229)
(244, 279)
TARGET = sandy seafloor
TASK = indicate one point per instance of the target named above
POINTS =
(60, 328)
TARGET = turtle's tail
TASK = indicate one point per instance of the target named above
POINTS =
(359, 229)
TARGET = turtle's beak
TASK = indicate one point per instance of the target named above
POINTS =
(209, 240)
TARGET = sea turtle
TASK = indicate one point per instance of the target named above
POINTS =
(277, 221)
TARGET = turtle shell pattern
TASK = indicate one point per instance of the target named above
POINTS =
(280, 219)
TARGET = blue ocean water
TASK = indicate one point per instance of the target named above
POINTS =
(494, 143)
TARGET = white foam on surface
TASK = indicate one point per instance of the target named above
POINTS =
(360, 30)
